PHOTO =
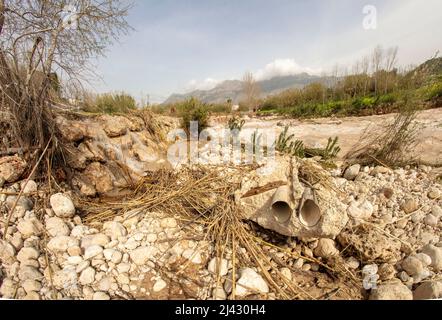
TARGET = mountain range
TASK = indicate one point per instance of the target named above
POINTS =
(233, 89)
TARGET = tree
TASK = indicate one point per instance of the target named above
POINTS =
(39, 38)
(251, 91)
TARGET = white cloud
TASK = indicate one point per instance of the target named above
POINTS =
(206, 84)
(283, 67)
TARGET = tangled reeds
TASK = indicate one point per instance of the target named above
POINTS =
(205, 196)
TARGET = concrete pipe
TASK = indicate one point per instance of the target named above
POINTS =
(281, 204)
(309, 212)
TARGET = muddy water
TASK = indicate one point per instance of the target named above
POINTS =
(315, 132)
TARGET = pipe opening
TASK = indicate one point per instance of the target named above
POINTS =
(282, 211)
(310, 214)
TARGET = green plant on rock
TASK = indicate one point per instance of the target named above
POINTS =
(329, 152)
(286, 144)
(236, 123)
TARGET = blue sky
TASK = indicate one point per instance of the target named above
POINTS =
(180, 45)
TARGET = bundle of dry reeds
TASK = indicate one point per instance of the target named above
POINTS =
(206, 196)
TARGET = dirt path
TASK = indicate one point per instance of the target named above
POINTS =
(315, 132)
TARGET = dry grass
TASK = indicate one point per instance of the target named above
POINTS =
(206, 196)
(392, 145)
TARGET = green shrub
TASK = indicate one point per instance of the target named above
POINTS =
(113, 103)
(194, 110)
(434, 91)
(387, 99)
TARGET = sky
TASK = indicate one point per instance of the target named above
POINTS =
(181, 45)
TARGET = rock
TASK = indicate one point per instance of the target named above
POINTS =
(65, 278)
(62, 243)
(391, 291)
(28, 272)
(7, 253)
(159, 285)
(115, 126)
(352, 263)
(218, 266)
(326, 249)
(428, 290)
(409, 206)
(424, 258)
(23, 202)
(286, 273)
(113, 255)
(352, 172)
(100, 296)
(30, 227)
(361, 211)
(192, 255)
(95, 240)
(31, 285)
(387, 192)
(30, 187)
(168, 223)
(380, 170)
(435, 253)
(26, 254)
(82, 266)
(74, 260)
(62, 205)
(250, 282)
(92, 252)
(8, 288)
(12, 168)
(219, 294)
(87, 276)
(32, 296)
(100, 177)
(386, 272)
(412, 266)
(434, 194)
(436, 211)
(431, 220)
(114, 229)
(74, 251)
(57, 227)
(142, 255)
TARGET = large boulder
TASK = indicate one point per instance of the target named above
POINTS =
(257, 196)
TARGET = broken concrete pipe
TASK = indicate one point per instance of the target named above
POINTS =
(309, 212)
(281, 204)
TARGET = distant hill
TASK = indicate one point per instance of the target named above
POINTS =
(232, 89)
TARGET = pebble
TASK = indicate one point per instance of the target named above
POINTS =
(250, 282)
(326, 249)
(62, 205)
(218, 266)
(409, 206)
(100, 296)
(435, 253)
(159, 285)
(352, 172)
(393, 291)
(57, 227)
(87, 276)
(412, 266)
(92, 251)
